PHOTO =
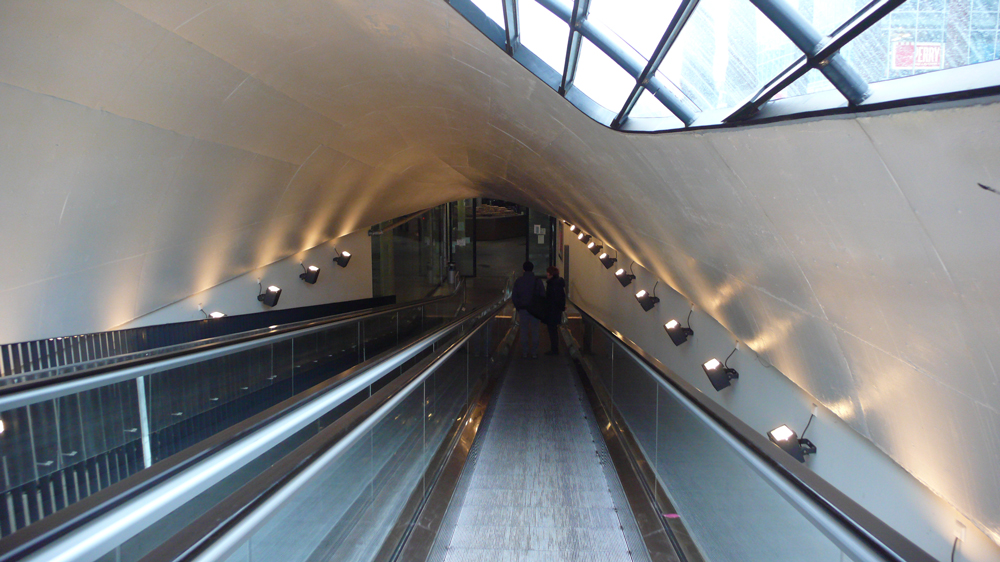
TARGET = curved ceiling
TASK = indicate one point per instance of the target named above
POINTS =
(154, 149)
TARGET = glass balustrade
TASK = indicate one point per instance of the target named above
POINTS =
(57, 452)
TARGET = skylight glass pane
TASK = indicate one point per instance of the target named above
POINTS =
(601, 78)
(812, 82)
(544, 34)
(493, 10)
(649, 106)
(926, 35)
(725, 53)
(827, 15)
(640, 23)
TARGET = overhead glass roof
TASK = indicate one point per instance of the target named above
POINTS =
(657, 64)
(543, 33)
(601, 78)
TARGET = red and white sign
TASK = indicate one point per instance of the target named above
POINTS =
(907, 55)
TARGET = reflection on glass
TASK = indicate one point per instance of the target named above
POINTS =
(544, 34)
(827, 15)
(699, 471)
(601, 78)
(924, 36)
(492, 8)
(649, 106)
(811, 83)
(640, 23)
(725, 53)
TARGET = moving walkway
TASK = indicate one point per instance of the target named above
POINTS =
(438, 446)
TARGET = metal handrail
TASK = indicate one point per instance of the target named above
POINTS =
(855, 530)
(38, 390)
(247, 510)
(88, 529)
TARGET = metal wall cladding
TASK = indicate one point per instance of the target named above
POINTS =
(856, 254)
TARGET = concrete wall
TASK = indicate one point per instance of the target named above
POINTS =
(765, 398)
(238, 295)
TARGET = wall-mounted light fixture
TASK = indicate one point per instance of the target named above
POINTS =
(270, 296)
(679, 334)
(310, 274)
(785, 438)
(585, 238)
(607, 260)
(342, 258)
(594, 248)
(624, 277)
(212, 315)
(646, 300)
(719, 374)
(2, 428)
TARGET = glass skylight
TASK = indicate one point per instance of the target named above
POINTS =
(826, 15)
(544, 34)
(601, 78)
(640, 23)
(812, 82)
(649, 106)
(926, 35)
(728, 50)
(725, 53)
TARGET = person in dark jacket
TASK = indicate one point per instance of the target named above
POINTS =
(555, 297)
(525, 289)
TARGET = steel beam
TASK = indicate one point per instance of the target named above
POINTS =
(624, 55)
(673, 30)
(850, 30)
(581, 8)
(512, 23)
(837, 70)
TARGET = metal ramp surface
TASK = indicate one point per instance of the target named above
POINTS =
(536, 487)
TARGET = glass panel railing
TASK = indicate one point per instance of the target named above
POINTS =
(60, 450)
(724, 486)
(136, 520)
(353, 501)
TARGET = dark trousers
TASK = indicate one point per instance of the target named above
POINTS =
(554, 337)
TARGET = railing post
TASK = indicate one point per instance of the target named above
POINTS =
(140, 389)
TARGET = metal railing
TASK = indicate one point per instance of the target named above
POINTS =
(250, 511)
(688, 438)
(70, 436)
(90, 528)
(17, 383)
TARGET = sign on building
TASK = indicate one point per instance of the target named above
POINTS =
(907, 55)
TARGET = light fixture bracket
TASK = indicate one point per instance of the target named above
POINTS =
(342, 258)
(310, 274)
(678, 334)
(270, 296)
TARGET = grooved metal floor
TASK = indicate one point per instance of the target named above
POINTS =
(538, 491)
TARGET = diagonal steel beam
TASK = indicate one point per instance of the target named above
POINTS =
(624, 55)
(580, 10)
(837, 70)
(850, 30)
(512, 23)
(673, 30)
